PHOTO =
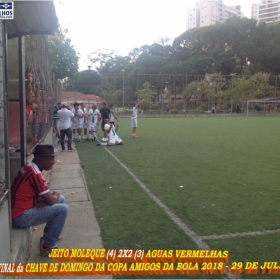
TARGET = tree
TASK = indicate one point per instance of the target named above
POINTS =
(87, 81)
(64, 56)
(146, 93)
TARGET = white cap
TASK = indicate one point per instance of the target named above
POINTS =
(65, 104)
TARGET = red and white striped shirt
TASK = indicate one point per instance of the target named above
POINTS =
(27, 188)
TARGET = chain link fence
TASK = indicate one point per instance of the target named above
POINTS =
(39, 89)
(171, 95)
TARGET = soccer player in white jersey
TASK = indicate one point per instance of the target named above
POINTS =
(114, 139)
(85, 125)
(134, 118)
(77, 122)
(93, 122)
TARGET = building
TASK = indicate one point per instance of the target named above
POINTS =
(266, 11)
(74, 96)
(211, 12)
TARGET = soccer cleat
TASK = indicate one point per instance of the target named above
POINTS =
(70, 150)
(78, 140)
(98, 144)
(134, 136)
(84, 137)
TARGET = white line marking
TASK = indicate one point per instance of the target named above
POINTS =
(239, 234)
(196, 239)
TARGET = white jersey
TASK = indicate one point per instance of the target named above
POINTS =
(113, 136)
(85, 114)
(77, 114)
(134, 112)
(93, 115)
(112, 132)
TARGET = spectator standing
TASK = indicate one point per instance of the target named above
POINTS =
(217, 109)
(167, 108)
(64, 124)
(55, 119)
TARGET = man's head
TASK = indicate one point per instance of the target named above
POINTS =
(104, 104)
(106, 120)
(44, 156)
(76, 105)
(112, 107)
(94, 106)
(82, 105)
(64, 104)
(59, 105)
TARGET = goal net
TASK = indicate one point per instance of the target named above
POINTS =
(264, 106)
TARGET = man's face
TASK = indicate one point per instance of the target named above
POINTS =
(47, 162)
(76, 107)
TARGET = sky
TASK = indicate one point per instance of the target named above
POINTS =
(122, 25)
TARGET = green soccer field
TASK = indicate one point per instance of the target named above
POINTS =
(218, 175)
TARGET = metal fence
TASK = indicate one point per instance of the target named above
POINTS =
(170, 93)
(39, 89)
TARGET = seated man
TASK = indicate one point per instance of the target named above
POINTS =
(33, 203)
(114, 139)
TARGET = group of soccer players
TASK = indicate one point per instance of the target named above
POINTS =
(88, 120)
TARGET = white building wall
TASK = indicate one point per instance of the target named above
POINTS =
(268, 11)
(210, 12)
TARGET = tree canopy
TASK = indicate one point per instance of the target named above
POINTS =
(231, 47)
(64, 57)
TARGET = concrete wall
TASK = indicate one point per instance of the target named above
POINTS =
(4, 232)
(4, 205)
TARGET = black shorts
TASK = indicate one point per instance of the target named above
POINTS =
(112, 123)
(102, 125)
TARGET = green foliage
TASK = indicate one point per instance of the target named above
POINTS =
(86, 81)
(231, 47)
(109, 96)
(146, 93)
(64, 57)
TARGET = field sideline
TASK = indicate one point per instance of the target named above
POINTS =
(219, 176)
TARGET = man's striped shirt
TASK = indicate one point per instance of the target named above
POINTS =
(27, 188)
